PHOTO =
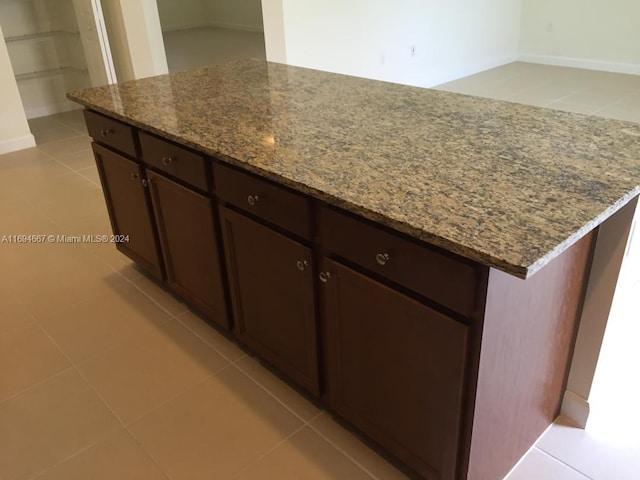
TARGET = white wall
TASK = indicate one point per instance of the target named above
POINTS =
(376, 38)
(14, 129)
(274, 39)
(596, 34)
(235, 14)
(117, 39)
(144, 47)
(180, 14)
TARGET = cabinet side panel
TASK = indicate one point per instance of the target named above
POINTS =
(529, 330)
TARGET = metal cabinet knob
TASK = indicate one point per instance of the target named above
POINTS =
(105, 131)
(145, 182)
(302, 264)
(382, 258)
(252, 199)
(166, 161)
(324, 276)
(135, 176)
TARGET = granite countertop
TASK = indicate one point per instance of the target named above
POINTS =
(507, 185)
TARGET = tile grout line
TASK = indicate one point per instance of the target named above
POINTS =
(271, 394)
(205, 379)
(86, 448)
(203, 340)
(268, 451)
(108, 407)
(308, 423)
(341, 450)
(71, 169)
(544, 452)
(40, 382)
(174, 316)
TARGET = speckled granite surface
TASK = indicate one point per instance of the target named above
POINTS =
(507, 185)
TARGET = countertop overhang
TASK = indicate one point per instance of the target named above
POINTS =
(507, 185)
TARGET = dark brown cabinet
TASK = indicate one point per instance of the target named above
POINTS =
(112, 133)
(451, 367)
(187, 233)
(127, 197)
(171, 227)
(272, 293)
(394, 368)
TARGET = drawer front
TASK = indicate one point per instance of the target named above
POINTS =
(434, 275)
(112, 133)
(174, 160)
(264, 199)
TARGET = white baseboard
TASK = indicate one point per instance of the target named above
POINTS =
(226, 26)
(18, 143)
(50, 109)
(575, 408)
(233, 26)
(184, 26)
(616, 67)
(471, 70)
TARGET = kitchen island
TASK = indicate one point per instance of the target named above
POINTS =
(415, 259)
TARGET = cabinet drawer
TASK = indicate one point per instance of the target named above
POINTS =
(442, 278)
(174, 160)
(112, 133)
(263, 199)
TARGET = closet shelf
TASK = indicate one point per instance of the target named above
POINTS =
(40, 35)
(49, 73)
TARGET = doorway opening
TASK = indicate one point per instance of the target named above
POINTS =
(204, 32)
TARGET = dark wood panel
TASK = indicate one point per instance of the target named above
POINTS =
(112, 133)
(175, 160)
(129, 208)
(271, 281)
(264, 199)
(187, 232)
(394, 369)
(528, 335)
(446, 280)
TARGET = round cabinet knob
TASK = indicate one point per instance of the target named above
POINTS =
(104, 132)
(382, 258)
(145, 182)
(324, 276)
(166, 161)
(135, 176)
(302, 264)
(252, 199)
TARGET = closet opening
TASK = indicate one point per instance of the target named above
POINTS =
(55, 46)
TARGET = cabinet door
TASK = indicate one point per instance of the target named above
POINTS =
(271, 283)
(129, 208)
(187, 232)
(394, 369)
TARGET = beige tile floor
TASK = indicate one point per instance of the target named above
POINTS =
(590, 92)
(105, 375)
